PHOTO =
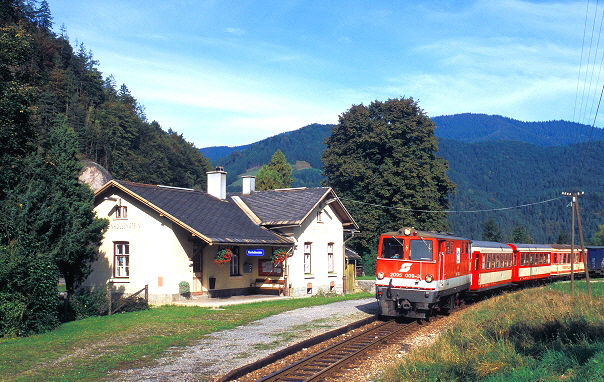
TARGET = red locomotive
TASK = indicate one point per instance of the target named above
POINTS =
(419, 272)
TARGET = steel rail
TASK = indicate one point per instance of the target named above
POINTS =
(327, 361)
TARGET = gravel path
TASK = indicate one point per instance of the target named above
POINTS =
(223, 351)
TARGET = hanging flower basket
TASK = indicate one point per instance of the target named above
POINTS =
(223, 256)
(279, 255)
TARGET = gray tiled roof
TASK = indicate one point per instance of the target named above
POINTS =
(220, 221)
(284, 207)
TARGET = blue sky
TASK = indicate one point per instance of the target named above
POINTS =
(235, 72)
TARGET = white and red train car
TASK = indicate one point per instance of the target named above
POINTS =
(533, 262)
(418, 272)
(561, 261)
(492, 265)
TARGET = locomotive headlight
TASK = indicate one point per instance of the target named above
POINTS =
(380, 275)
(429, 278)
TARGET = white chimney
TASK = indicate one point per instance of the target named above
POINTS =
(217, 182)
(249, 184)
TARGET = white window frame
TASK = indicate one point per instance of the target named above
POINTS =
(330, 258)
(121, 212)
(121, 259)
(307, 258)
(234, 263)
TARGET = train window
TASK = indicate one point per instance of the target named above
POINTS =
(484, 261)
(392, 248)
(420, 250)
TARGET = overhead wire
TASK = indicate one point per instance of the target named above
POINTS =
(455, 211)
(581, 64)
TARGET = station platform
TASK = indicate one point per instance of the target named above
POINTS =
(218, 302)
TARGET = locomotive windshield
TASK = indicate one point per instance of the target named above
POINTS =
(392, 248)
(420, 250)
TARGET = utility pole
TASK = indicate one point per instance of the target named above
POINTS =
(575, 208)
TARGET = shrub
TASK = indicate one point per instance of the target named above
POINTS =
(184, 289)
(86, 303)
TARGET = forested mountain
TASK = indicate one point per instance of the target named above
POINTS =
(302, 148)
(493, 175)
(218, 152)
(481, 127)
(489, 174)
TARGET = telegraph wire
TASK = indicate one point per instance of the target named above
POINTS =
(452, 212)
(581, 64)
(596, 59)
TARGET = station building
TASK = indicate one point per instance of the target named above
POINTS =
(288, 241)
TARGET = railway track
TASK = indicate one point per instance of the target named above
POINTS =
(332, 361)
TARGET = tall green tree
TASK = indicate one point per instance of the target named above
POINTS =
(17, 136)
(598, 237)
(276, 174)
(381, 160)
(47, 227)
(491, 231)
(521, 236)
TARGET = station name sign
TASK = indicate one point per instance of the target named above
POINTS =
(255, 252)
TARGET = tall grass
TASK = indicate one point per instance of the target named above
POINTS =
(535, 334)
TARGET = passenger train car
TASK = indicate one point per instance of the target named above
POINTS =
(492, 265)
(418, 272)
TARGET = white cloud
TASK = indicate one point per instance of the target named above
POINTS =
(235, 31)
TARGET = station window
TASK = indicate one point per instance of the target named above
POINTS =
(234, 263)
(307, 257)
(121, 257)
(121, 212)
(330, 260)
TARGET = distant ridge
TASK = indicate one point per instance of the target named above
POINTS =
(473, 128)
(217, 152)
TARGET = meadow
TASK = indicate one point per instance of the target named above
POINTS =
(539, 334)
(90, 348)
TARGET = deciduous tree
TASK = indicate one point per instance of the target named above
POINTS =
(381, 160)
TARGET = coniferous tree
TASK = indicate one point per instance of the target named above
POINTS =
(277, 174)
(381, 160)
(491, 231)
(521, 236)
(563, 238)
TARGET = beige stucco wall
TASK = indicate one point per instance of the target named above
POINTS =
(329, 230)
(159, 254)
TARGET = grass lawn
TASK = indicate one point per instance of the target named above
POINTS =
(89, 348)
